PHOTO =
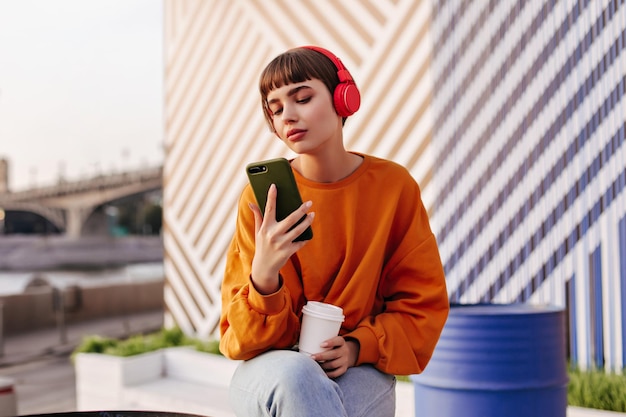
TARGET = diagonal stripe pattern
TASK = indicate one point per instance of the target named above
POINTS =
(509, 113)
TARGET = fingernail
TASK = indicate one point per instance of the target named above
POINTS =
(251, 206)
(312, 214)
(308, 204)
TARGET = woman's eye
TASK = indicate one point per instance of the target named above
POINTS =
(276, 112)
(304, 100)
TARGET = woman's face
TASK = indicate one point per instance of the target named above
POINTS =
(303, 116)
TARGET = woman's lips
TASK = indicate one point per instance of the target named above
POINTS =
(295, 135)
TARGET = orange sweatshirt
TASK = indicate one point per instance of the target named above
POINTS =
(372, 253)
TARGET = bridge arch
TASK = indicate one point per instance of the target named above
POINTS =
(54, 216)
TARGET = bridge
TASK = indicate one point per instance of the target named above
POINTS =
(68, 204)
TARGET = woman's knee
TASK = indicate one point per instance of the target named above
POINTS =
(284, 380)
(293, 368)
(279, 369)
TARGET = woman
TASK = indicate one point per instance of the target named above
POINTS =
(372, 254)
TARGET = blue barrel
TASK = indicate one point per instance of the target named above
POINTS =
(496, 360)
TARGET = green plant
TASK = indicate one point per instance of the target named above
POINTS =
(95, 344)
(597, 389)
(137, 344)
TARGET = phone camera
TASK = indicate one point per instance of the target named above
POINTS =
(257, 169)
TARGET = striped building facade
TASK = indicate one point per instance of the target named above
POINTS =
(510, 114)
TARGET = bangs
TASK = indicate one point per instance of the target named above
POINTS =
(285, 69)
(295, 66)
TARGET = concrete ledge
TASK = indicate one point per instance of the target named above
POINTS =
(187, 381)
(590, 412)
(174, 395)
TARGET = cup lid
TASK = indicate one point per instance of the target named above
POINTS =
(324, 310)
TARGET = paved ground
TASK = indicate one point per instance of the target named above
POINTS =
(39, 363)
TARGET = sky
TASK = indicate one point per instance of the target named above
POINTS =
(81, 88)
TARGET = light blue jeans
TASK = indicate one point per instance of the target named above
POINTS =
(284, 383)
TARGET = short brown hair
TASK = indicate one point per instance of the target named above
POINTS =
(295, 66)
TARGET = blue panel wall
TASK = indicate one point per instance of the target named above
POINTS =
(530, 162)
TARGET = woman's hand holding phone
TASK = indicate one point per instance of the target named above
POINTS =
(276, 241)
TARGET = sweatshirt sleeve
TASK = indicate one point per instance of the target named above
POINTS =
(401, 339)
(251, 323)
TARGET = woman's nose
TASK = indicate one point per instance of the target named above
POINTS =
(289, 113)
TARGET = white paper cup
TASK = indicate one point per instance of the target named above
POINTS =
(320, 322)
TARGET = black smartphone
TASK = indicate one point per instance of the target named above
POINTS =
(277, 171)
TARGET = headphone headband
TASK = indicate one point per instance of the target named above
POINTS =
(346, 97)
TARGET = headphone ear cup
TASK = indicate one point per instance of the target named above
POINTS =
(347, 99)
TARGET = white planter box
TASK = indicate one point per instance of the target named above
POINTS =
(198, 367)
(101, 379)
(174, 379)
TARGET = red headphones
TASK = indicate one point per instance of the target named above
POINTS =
(346, 97)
